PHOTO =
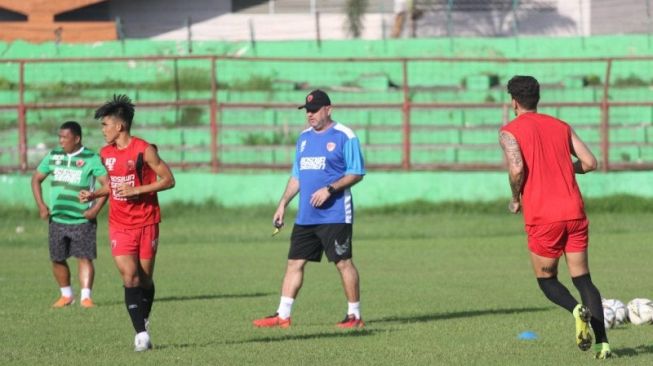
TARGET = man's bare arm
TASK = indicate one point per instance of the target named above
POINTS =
(292, 188)
(586, 161)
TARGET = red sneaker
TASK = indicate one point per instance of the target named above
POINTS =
(350, 321)
(272, 321)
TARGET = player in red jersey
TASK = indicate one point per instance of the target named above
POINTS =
(538, 149)
(136, 174)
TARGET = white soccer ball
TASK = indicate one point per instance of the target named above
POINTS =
(640, 311)
(619, 309)
(608, 317)
(620, 312)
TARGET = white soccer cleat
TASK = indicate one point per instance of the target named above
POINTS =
(142, 342)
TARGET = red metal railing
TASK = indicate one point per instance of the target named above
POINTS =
(215, 106)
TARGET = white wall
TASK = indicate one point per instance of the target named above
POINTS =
(572, 17)
(277, 27)
(620, 16)
(213, 20)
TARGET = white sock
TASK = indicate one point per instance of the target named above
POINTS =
(86, 293)
(285, 307)
(354, 308)
(67, 291)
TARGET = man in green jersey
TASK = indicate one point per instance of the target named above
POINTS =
(72, 228)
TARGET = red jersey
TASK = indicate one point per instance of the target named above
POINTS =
(127, 166)
(550, 192)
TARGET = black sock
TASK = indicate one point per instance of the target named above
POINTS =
(133, 301)
(148, 300)
(557, 292)
(592, 299)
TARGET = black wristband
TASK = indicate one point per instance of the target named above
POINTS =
(331, 189)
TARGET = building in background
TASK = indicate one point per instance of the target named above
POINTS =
(59, 21)
(236, 20)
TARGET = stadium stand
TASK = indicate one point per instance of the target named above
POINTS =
(441, 136)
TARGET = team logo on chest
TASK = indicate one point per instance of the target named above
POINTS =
(109, 163)
(57, 159)
(131, 165)
(330, 146)
(79, 163)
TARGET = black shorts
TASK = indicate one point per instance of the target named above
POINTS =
(72, 240)
(309, 241)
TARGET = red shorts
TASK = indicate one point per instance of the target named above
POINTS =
(552, 240)
(141, 242)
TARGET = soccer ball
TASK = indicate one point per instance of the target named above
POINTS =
(619, 310)
(640, 311)
(609, 317)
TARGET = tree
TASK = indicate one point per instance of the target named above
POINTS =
(355, 10)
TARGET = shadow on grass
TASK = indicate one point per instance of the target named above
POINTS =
(281, 338)
(212, 297)
(201, 297)
(633, 352)
(303, 337)
(455, 315)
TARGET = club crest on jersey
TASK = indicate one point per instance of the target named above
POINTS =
(131, 165)
(57, 159)
(302, 146)
(109, 163)
(331, 146)
(79, 163)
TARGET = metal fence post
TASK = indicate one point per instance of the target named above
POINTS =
(189, 34)
(317, 29)
(605, 120)
(22, 122)
(215, 164)
(405, 161)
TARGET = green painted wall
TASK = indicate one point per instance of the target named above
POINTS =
(595, 46)
(377, 189)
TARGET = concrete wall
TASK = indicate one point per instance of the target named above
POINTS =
(150, 18)
(236, 27)
(555, 18)
(293, 20)
(377, 189)
(564, 21)
(621, 17)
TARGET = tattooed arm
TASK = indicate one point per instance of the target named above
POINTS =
(515, 168)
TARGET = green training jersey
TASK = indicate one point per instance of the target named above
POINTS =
(70, 174)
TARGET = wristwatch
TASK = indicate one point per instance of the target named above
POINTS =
(331, 189)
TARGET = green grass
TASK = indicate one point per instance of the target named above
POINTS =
(440, 285)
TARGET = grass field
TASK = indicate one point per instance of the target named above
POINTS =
(446, 285)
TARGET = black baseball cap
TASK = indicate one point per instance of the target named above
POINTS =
(316, 100)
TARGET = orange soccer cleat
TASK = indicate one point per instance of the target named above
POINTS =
(87, 303)
(351, 321)
(272, 321)
(63, 301)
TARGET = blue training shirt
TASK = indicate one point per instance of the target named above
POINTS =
(321, 159)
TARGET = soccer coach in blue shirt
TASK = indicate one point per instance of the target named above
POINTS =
(328, 162)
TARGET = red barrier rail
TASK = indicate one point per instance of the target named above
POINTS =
(215, 106)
